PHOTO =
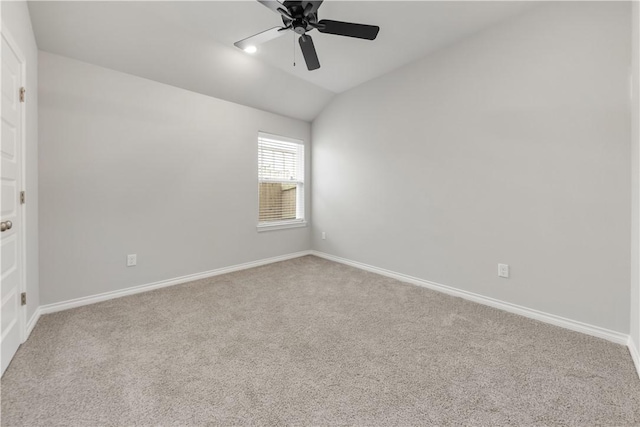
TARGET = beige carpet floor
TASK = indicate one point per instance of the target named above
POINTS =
(311, 342)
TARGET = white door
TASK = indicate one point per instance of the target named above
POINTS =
(10, 208)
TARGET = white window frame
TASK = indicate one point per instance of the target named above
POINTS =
(300, 220)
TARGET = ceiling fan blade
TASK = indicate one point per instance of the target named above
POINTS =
(309, 52)
(260, 38)
(349, 29)
(276, 7)
(311, 6)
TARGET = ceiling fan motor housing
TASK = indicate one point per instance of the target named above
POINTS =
(301, 21)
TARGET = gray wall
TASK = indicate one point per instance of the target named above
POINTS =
(15, 19)
(635, 183)
(128, 165)
(509, 147)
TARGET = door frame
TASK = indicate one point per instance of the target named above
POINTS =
(22, 235)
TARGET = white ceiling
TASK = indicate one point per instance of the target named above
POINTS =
(189, 44)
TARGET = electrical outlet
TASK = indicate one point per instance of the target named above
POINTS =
(324, 235)
(503, 270)
(132, 260)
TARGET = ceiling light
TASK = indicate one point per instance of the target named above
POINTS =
(251, 49)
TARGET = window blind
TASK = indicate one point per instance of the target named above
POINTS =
(280, 179)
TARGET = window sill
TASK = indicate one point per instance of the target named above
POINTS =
(280, 225)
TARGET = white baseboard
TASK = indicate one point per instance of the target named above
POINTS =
(596, 331)
(78, 302)
(32, 323)
(635, 354)
(573, 325)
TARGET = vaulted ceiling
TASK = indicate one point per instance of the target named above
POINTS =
(189, 44)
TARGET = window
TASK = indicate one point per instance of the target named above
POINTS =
(280, 182)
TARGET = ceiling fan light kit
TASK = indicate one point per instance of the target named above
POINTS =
(301, 17)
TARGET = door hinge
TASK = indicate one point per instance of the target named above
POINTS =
(23, 298)
(22, 198)
(23, 92)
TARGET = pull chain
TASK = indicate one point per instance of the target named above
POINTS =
(294, 49)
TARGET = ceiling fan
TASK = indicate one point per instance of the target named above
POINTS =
(302, 17)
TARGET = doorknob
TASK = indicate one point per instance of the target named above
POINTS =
(5, 225)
